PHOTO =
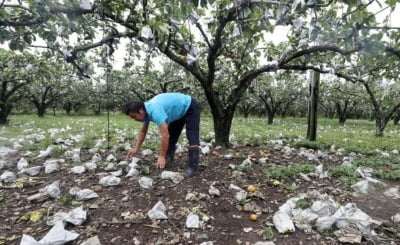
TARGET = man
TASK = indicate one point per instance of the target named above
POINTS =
(170, 111)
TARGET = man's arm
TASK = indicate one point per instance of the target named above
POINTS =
(139, 140)
(164, 145)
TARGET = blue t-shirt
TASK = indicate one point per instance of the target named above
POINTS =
(167, 107)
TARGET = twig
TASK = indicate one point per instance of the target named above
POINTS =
(176, 228)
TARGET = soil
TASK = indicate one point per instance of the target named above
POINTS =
(228, 221)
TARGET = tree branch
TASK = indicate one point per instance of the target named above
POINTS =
(379, 27)
(41, 19)
(16, 6)
(214, 50)
(203, 33)
(324, 48)
(319, 5)
(358, 8)
(393, 51)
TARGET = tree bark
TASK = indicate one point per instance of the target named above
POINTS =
(313, 106)
(342, 112)
(271, 115)
(5, 110)
(396, 119)
(41, 111)
(222, 127)
(67, 106)
(379, 125)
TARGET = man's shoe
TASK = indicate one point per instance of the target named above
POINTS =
(193, 165)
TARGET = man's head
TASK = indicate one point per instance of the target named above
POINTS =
(135, 110)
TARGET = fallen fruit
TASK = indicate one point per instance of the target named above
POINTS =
(253, 217)
(251, 188)
(276, 183)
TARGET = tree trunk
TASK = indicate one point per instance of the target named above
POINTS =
(313, 106)
(271, 115)
(97, 109)
(41, 111)
(285, 109)
(379, 126)
(396, 119)
(4, 112)
(67, 107)
(40, 107)
(222, 127)
(342, 112)
(342, 120)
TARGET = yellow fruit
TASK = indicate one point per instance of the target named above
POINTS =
(251, 188)
(253, 217)
(276, 183)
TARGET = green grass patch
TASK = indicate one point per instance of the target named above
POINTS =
(347, 175)
(267, 233)
(303, 203)
(384, 167)
(316, 145)
(357, 135)
(287, 172)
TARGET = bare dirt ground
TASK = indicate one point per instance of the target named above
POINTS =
(119, 215)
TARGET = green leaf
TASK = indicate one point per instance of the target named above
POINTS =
(391, 3)
(76, 203)
(267, 233)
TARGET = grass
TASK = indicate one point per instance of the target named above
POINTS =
(356, 135)
(303, 203)
(288, 172)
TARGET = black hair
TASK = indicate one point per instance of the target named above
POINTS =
(132, 106)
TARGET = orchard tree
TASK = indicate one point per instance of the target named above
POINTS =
(145, 83)
(379, 77)
(48, 86)
(16, 72)
(396, 117)
(279, 91)
(249, 103)
(341, 97)
(221, 43)
(76, 95)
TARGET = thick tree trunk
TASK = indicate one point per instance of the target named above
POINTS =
(97, 109)
(396, 119)
(40, 107)
(342, 120)
(40, 111)
(67, 107)
(271, 115)
(5, 110)
(313, 106)
(285, 109)
(379, 126)
(3, 116)
(222, 127)
(342, 112)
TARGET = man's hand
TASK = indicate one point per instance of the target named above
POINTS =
(161, 162)
(131, 153)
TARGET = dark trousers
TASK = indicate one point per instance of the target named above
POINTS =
(192, 121)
